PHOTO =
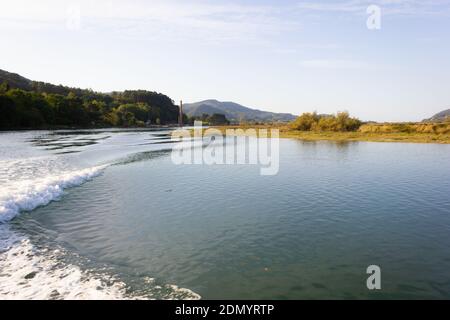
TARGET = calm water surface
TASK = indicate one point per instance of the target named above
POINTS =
(106, 214)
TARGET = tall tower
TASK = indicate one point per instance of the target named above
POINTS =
(180, 117)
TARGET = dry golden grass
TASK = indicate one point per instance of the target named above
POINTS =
(387, 132)
(431, 128)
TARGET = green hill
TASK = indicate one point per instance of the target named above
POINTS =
(234, 112)
(33, 105)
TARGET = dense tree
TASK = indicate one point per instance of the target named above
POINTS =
(161, 106)
(4, 87)
(214, 119)
(95, 110)
(218, 119)
(9, 116)
(29, 108)
(46, 105)
(306, 121)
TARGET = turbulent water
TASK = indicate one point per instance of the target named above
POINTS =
(37, 168)
(106, 214)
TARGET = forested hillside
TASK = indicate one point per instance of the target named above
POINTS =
(31, 104)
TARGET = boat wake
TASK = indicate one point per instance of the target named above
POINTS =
(32, 273)
(32, 269)
(27, 195)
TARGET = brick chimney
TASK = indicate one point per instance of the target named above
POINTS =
(180, 117)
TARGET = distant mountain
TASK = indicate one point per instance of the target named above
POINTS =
(233, 112)
(439, 117)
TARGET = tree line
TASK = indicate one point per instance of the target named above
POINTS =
(216, 119)
(48, 106)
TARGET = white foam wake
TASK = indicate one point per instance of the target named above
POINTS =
(27, 195)
(27, 275)
(32, 273)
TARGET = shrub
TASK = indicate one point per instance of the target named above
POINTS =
(305, 122)
(313, 122)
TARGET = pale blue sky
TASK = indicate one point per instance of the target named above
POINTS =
(282, 56)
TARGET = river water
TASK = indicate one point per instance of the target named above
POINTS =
(106, 214)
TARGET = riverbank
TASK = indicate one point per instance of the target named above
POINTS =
(361, 135)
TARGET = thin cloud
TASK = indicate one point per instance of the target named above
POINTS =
(157, 19)
(333, 64)
(389, 7)
(199, 22)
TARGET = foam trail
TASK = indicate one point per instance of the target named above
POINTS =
(27, 195)
(29, 274)
(33, 273)
(32, 268)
